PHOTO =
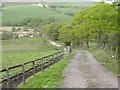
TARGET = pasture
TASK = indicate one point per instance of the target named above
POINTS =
(11, 15)
(16, 13)
(22, 50)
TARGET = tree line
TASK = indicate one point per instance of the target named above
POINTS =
(97, 24)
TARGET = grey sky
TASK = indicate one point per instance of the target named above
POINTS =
(49, 0)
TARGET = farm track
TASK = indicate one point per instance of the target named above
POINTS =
(84, 71)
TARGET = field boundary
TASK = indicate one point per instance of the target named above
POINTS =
(13, 81)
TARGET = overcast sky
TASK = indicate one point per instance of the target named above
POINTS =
(49, 0)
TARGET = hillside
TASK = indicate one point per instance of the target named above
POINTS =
(16, 13)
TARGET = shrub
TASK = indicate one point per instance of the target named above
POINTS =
(7, 35)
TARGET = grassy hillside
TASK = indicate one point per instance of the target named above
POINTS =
(23, 50)
(74, 4)
(16, 13)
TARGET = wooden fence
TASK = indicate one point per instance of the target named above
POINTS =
(12, 81)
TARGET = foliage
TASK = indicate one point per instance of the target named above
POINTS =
(31, 22)
(49, 20)
(97, 23)
(7, 35)
(51, 29)
(65, 34)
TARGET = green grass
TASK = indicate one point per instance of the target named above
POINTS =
(11, 14)
(49, 78)
(15, 13)
(25, 44)
(73, 4)
(106, 59)
(22, 50)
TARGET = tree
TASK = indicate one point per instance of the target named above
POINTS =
(98, 23)
(95, 20)
(65, 35)
(52, 29)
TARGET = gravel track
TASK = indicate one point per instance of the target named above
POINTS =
(84, 71)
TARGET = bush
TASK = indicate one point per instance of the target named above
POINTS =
(7, 35)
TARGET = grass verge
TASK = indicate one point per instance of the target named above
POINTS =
(49, 78)
(106, 59)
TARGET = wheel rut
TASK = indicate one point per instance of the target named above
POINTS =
(84, 71)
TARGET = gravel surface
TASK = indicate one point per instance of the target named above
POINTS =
(84, 71)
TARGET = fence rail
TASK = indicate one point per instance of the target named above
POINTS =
(11, 81)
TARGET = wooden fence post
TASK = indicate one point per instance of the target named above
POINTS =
(23, 73)
(116, 53)
(57, 56)
(33, 67)
(42, 65)
(53, 59)
(111, 48)
(105, 47)
(8, 77)
(48, 62)
(61, 57)
(61, 54)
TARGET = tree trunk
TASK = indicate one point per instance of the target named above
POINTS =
(81, 43)
(99, 39)
(87, 41)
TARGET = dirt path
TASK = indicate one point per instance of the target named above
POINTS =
(83, 71)
(55, 44)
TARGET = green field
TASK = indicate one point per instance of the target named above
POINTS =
(73, 4)
(17, 13)
(11, 14)
(22, 50)
(49, 78)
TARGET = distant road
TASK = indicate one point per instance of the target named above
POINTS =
(54, 43)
